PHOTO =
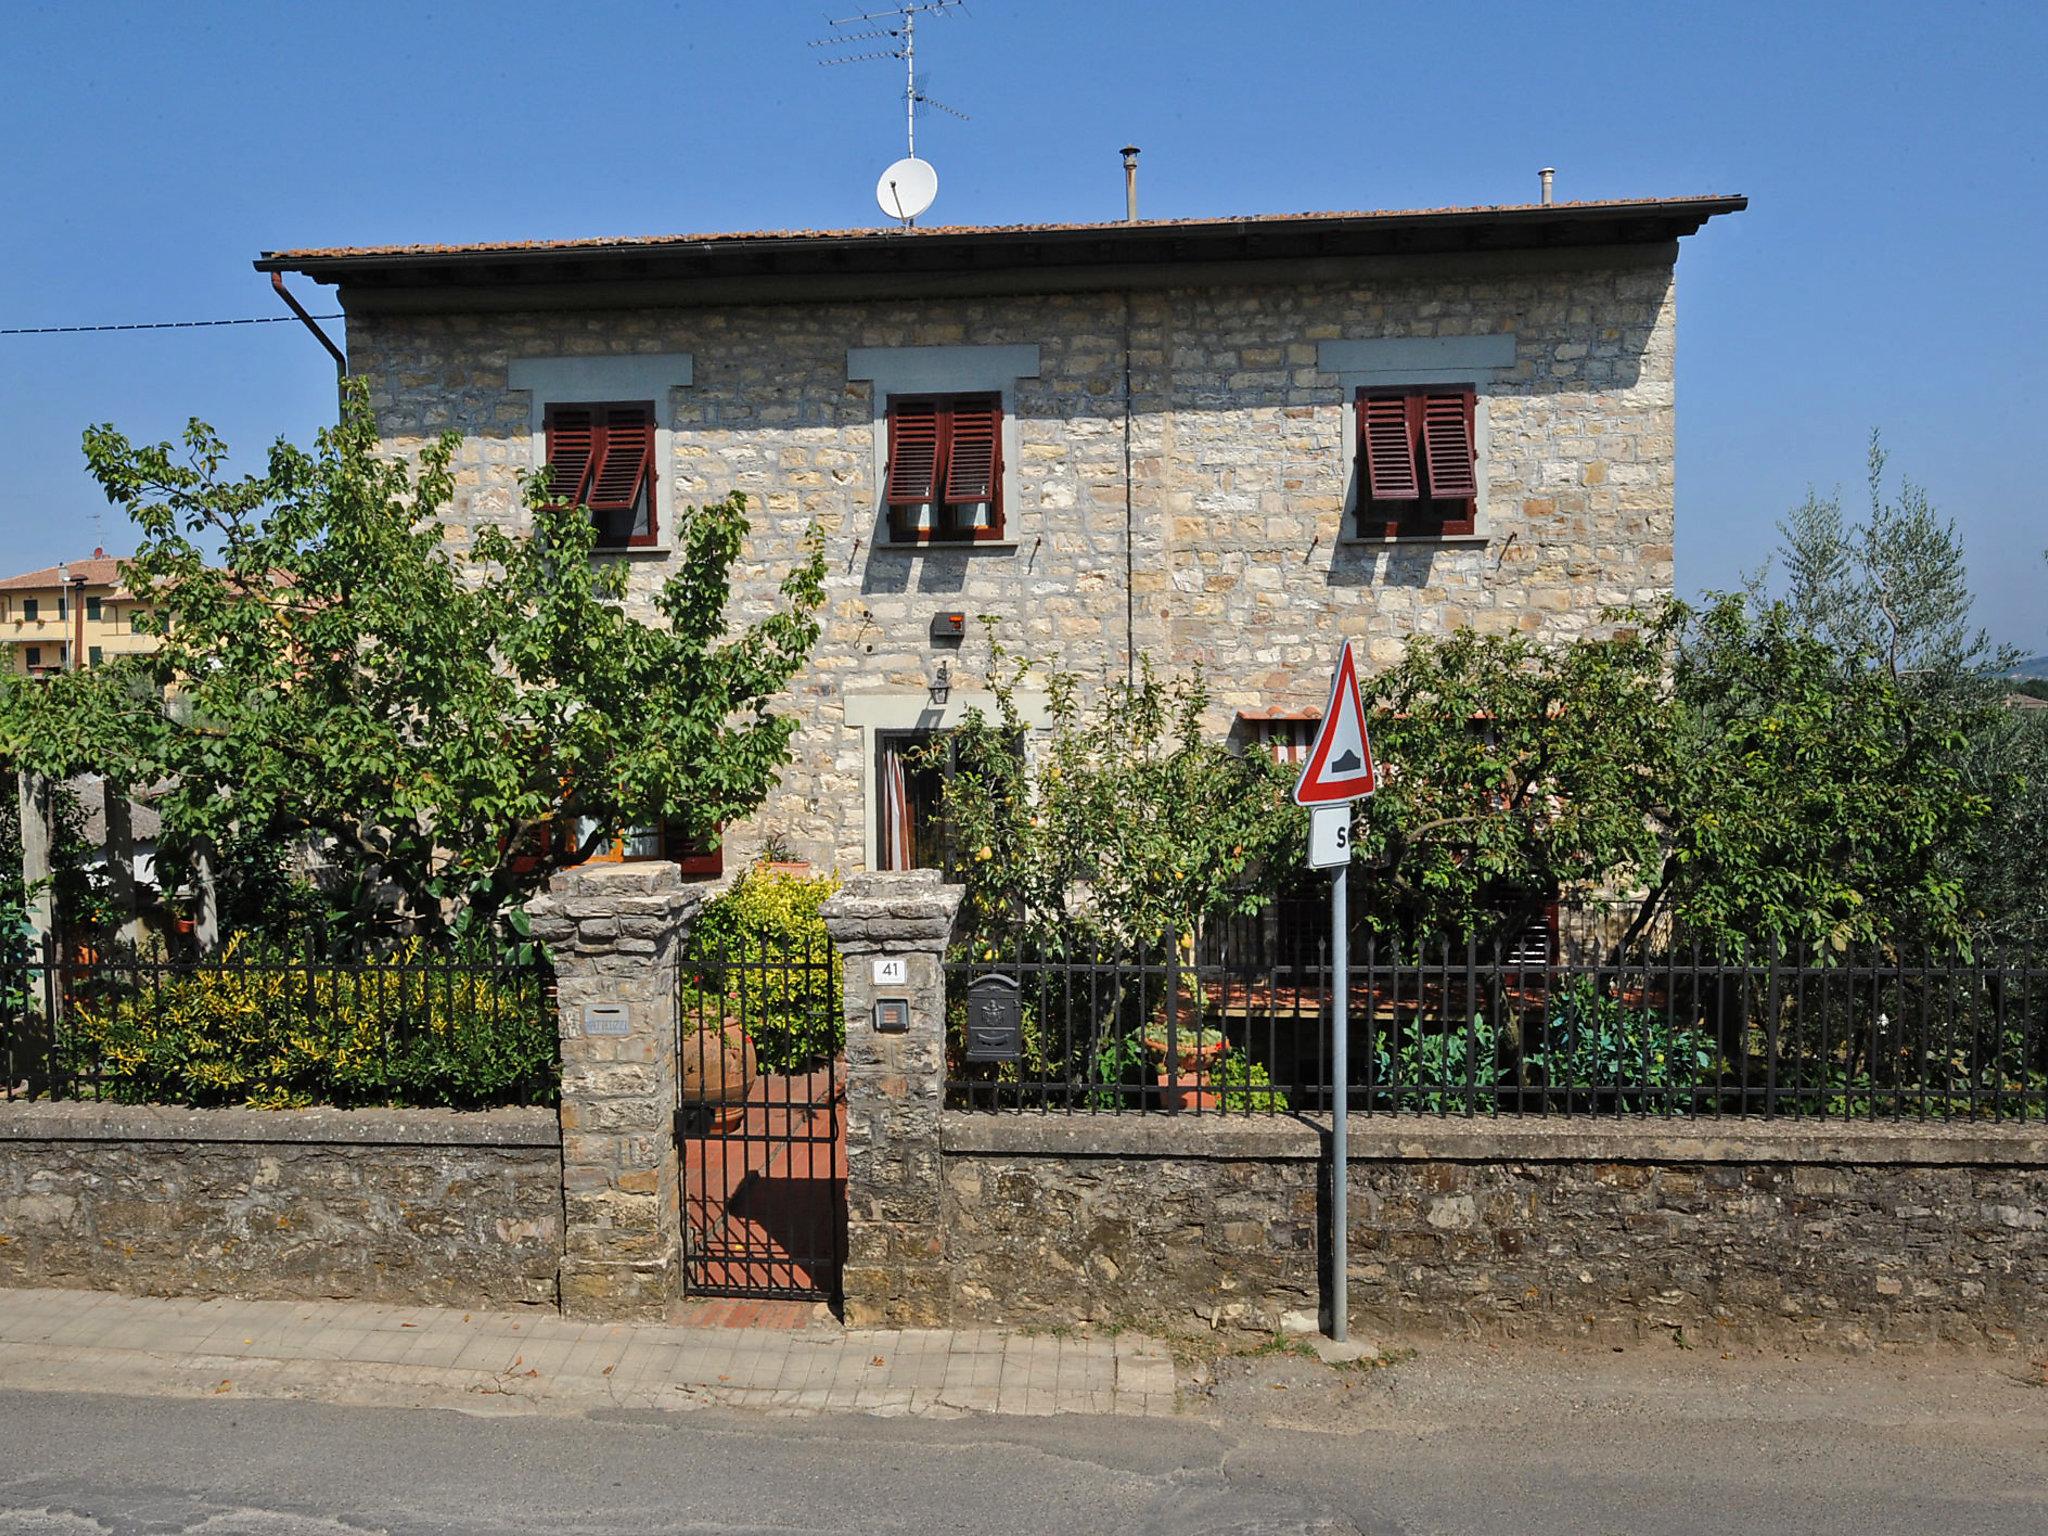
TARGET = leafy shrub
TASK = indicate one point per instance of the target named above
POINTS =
(760, 953)
(1597, 1044)
(1436, 1069)
(1247, 1086)
(251, 1027)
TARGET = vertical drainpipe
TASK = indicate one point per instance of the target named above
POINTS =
(1130, 154)
(1130, 519)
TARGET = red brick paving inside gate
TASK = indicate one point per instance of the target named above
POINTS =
(764, 1204)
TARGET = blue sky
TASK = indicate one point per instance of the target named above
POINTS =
(1888, 273)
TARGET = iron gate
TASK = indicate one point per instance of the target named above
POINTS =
(761, 1125)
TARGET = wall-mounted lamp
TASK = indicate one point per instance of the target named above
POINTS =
(942, 682)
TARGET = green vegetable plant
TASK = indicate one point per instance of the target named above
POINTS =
(1437, 1065)
(1593, 1046)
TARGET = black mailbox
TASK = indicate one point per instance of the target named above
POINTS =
(995, 1019)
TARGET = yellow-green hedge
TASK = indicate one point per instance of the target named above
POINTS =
(247, 1027)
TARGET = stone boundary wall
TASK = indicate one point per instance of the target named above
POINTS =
(423, 1206)
(1750, 1233)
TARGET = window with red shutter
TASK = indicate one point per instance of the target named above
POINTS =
(602, 458)
(1389, 448)
(1447, 446)
(945, 469)
(1418, 471)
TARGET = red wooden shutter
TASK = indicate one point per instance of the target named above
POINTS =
(1388, 447)
(1447, 446)
(913, 452)
(625, 459)
(971, 467)
(572, 444)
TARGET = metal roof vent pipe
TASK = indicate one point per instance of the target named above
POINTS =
(1546, 176)
(1130, 153)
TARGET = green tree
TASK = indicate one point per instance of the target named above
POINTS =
(1891, 591)
(1126, 824)
(1511, 770)
(13, 891)
(1805, 800)
(446, 725)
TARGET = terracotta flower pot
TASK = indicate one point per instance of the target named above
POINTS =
(1187, 1082)
(718, 1072)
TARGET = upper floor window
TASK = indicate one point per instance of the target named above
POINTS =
(1418, 471)
(31, 610)
(945, 474)
(92, 609)
(603, 458)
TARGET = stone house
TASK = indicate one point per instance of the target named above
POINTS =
(1224, 441)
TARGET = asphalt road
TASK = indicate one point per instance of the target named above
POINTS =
(1466, 1443)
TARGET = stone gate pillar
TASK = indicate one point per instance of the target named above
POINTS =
(615, 931)
(895, 1088)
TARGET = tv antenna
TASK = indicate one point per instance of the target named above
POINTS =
(906, 188)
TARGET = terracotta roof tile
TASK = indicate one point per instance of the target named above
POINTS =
(955, 231)
(97, 573)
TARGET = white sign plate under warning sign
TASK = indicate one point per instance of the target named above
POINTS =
(1329, 836)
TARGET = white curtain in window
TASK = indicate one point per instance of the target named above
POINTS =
(893, 841)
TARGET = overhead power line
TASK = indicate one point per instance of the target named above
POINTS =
(155, 325)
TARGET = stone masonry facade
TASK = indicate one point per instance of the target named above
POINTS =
(615, 932)
(1238, 547)
(895, 1271)
(1856, 1237)
(410, 1206)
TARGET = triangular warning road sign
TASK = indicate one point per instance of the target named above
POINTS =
(1339, 765)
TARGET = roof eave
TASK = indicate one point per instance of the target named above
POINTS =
(1022, 248)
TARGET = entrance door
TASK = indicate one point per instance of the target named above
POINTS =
(762, 1121)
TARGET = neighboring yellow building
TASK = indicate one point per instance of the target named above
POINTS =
(75, 614)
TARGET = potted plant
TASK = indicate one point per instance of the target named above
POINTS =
(718, 1067)
(1187, 1062)
(777, 857)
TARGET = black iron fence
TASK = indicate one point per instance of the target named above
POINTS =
(1241, 1027)
(278, 1024)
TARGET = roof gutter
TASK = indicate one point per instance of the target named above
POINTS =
(291, 302)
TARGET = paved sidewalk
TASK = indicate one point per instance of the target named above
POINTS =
(496, 1362)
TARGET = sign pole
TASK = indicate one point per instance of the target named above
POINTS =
(1340, 1116)
(1338, 772)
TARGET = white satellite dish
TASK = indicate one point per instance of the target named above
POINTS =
(907, 188)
